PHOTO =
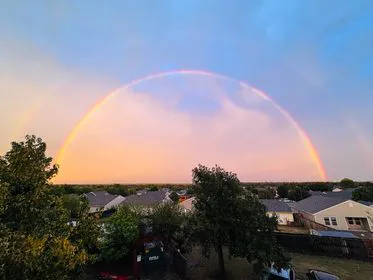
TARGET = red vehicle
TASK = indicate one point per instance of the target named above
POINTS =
(109, 276)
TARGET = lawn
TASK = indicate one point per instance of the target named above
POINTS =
(239, 269)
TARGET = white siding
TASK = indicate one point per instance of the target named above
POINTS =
(114, 203)
(346, 209)
(282, 217)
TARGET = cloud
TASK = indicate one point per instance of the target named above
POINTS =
(136, 138)
(41, 96)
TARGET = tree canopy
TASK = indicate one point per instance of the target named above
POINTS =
(282, 191)
(121, 230)
(347, 183)
(226, 214)
(36, 240)
(167, 219)
(363, 193)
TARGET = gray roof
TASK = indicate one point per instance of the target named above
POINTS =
(347, 193)
(99, 198)
(367, 203)
(275, 205)
(317, 203)
(145, 198)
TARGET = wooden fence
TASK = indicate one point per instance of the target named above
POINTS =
(352, 248)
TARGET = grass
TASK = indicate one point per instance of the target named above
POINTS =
(239, 269)
(345, 269)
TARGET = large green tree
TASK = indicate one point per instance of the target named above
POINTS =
(227, 215)
(120, 231)
(167, 219)
(36, 240)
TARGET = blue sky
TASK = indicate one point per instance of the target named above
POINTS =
(315, 58)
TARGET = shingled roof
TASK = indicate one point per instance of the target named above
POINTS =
(317, 203)
(99, 198)
(274, 205)
(146, 198)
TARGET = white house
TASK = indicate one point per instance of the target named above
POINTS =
(336, 212)
(279, 208)
(102, 201)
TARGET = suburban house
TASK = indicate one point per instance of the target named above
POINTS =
(336, 212)
(102, 201)
(187, 205)
(279, 209)
(147, 198)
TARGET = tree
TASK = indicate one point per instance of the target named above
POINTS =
(282, 191)
(266, 193)
(153, 188)
(363, 193)
(36, 240)
(25, 167)
(226, 214)
(297, 194)
(73, 204)
(174, 197)
(120, 231)
(347, 183)
(167, 219)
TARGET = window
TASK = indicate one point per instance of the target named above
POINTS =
(327, 221)
(350, 221)
(357, 221)
(334, 221)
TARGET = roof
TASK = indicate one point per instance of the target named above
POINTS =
(146, 198)
(99, 198)
(335, 233)
(346, 193)
(367, 203)
(317, 203)
(274, 205)
(188, 203)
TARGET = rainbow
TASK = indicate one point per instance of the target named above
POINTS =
(302, 134)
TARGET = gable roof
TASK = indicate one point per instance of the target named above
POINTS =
(188, 204)
(275, 205)
(317, 203)
(99, 198)
(145, 198)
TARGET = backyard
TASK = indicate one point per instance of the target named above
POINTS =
(239, 269)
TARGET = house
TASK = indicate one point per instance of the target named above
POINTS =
(336, 212)
(147, 198)
(102, 201)
(187, 205)
(280, 209)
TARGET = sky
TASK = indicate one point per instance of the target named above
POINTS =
(314, 59)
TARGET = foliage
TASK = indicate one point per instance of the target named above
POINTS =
(282, 191)
(74, 204)
(297, 194)
(120, 231)
(167, 219)
(36, 240)
(190, 191)
(153, 188)
(364, 193)
(226, 214)
(25, 167)
(347, 183)
(266, 193)
(174, 197)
